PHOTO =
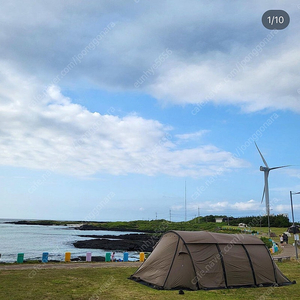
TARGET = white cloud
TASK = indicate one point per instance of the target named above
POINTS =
(191, 136)
(54, 133)
(208, 206)
(284, 208)
(218, 205)
(177, 207)
(292, 172)
(269, 81)
(205, 49)
(224, 206)
(250, 205)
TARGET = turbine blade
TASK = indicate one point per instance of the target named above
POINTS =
(261, 156)
(262, 199)
(280, 167)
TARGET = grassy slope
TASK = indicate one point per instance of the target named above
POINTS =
(141, 225)
(155, 225)
(112, 283)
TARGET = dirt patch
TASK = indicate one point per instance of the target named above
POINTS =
(71, 265)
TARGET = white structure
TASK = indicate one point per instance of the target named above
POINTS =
(266, 171)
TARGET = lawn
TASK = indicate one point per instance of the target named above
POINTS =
(264, 231)
(112, 283)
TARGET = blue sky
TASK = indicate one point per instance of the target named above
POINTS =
(107, 108)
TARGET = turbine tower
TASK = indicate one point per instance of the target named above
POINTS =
(266, 171)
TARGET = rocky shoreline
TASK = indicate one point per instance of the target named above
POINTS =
(141, 242)
(123, 242)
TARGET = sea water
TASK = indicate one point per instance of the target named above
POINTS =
(33, 240)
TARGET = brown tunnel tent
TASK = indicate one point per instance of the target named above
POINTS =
(196, 260)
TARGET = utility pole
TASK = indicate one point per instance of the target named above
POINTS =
(156, 215)
(170, 216)
(294, 227)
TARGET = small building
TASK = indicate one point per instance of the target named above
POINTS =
(243, 225)
(219, 220)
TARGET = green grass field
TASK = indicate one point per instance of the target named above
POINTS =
(264, 231)
(112, 283)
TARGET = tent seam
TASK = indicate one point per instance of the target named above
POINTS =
(185, 244)
(223, 264)
(171, 264)
(145, 260)
(251, 265)
(273, 264)
(274, 267)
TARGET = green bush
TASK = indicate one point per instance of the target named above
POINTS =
(268, 243)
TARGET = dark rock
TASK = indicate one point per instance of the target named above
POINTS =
(127, 242)
(130, 236)
(54, 261)
(94, 258)
(24, 222)
(92, 227)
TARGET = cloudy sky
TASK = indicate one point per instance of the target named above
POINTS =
(107, 109)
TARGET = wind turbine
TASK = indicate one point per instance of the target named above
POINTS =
(266, 171)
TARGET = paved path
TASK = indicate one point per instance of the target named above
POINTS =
(71, 265)
(287, 250)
